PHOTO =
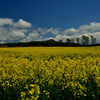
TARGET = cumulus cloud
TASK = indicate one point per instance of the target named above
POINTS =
(41, 31)
(3, 33)
(5, 21)
(83, 29)
(87, 30)
(50, 30)
(34, 36)
(96, 35)
(55, 31)
(15, 35)
(2, 42)
(58, 37)
(70, 31)
(93, 27)
(13, 30)
(11, 34)
(22, 31)
(22, 24)
(62, 37)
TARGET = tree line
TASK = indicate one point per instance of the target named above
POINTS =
(84, 41)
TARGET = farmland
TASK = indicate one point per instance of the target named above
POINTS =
(50, 73)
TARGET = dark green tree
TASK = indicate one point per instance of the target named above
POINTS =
(68, 41)
(93, 40)
(50, 42)
(85, 40)
(72, 41)
(60, 42)
(78, 40)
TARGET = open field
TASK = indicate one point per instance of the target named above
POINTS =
(50, 73)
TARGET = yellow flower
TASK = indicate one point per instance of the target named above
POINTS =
(26, 87)
(85, 95)
(23, 94)
(8, 84)
(32, 97)
(44, 90)
(31, 91)
(32, 85)
(3, 84)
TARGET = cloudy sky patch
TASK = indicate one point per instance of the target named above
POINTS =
(23, 31)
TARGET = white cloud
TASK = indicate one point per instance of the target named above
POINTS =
(83, 29)
(55, 31)
(4, 21)
(93, 27)
(70, 31)
(22, 24)
(50, 30)
(58, 37)
(34, 36)
(2, 42)
(13, 30)
(62, 37)
(3, 33)
(97, 36)
(41, 31)
(11, 34)
(15, 35)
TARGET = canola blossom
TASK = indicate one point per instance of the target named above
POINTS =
(50, 73)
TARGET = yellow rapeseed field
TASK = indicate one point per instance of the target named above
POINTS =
(50, 73)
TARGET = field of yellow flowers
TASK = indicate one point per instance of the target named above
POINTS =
(50, 73)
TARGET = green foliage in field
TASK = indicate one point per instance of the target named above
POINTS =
(44, 73)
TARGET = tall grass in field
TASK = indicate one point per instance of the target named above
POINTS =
(50, 73)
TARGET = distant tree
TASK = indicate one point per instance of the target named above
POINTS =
(93, 40)
(60, 42)
(85, 40)
(78, 40)
(68, 41)
(72, 40)
(51, 42)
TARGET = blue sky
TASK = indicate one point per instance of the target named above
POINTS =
(38, 20)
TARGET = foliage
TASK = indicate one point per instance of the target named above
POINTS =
(93, 40)
(78, 40)
(68, 41)
(50, 73)
(85, 40)
(72, 41)
(47, 43)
